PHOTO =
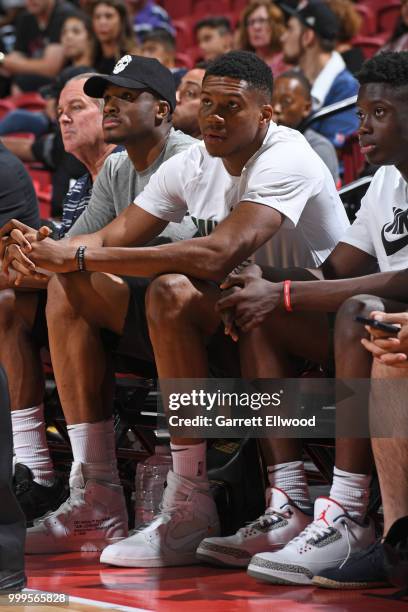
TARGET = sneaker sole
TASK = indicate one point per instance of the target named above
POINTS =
(186, 559)
(221, 560)
(15, 582)
(86, 546)
(326, 583)
(279, 577)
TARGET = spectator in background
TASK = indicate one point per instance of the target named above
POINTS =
(214, 36)
(22, 313)
(78, 40)
(147, 15)
(17, 195)
(49, 149)
(188, 96)
(261, 29)
(399, 38)
(161, 45)
(350, 23)
(78, 43)
(292, 105)
(309, 43)
(114, 35)
(38, 55)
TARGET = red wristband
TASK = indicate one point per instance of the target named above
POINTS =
(286, 295)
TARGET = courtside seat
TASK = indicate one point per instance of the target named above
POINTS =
(370, 45)
(29, 101)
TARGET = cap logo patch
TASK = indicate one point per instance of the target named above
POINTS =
(122, 64)
(311, 21)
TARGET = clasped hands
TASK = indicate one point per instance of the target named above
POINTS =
(246, 300)
(24, 251)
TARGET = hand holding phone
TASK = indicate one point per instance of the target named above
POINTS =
(385, 327)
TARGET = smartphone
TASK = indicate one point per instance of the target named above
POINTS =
(385, 327)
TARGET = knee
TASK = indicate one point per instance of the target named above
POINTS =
(168, 299)
(347, 329)
(8, 313)
(61, 297)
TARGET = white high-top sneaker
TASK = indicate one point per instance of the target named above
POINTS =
(327, 542)
(188, 515)
(281, 522)
(92, 517)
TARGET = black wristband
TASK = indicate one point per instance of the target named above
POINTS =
(80, 258)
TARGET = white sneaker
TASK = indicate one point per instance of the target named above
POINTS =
(188, 515)
(327, 542)
(281, 522)
(92, 517)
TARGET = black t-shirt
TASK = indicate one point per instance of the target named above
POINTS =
(17, 195)
(32, 40)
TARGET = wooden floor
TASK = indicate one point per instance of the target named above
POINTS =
(93, 586)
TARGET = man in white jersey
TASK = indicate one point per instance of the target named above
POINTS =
(291, 324)
(249, 181)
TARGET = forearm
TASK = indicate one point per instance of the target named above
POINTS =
(194, 258)
(19, 64)
(327, 296)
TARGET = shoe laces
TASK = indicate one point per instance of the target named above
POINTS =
(268, 519)
(313, 531)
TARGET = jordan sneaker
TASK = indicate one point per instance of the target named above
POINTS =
(281, 522)
(93, 517)
(36, 499)
(188, 514)
(327, 542)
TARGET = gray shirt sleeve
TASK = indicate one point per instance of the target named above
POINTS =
(325, 151)
(100, 210)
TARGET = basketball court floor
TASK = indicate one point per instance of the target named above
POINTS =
(93, 586)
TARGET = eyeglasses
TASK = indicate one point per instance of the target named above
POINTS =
(257, 21)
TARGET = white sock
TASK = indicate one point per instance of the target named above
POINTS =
(189, 460)
(352, 491)
(91, 444)
(291, 478)
(30, 443)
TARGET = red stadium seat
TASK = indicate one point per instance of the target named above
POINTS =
(388, 15)
(184, 34)
(184, 60)
(43, 188)
(179, 8)
(5, 107)
(352, 158)
(369, 22)
(369, 44)
(204, 8)
(30, 101)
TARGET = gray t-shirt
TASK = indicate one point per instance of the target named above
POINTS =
(117, 185)
(325, 151)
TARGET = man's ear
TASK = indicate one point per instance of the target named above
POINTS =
(163, 109)
(308, 37)
(307, 109)
(266, 114)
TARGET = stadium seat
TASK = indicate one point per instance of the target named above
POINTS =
(388, 15)
(204, 8)
(29, 101)
(369, 45)
(184, 34)
(369, 22)
(179, 9)
(5, 107)
(352, 158)
(184, 60)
